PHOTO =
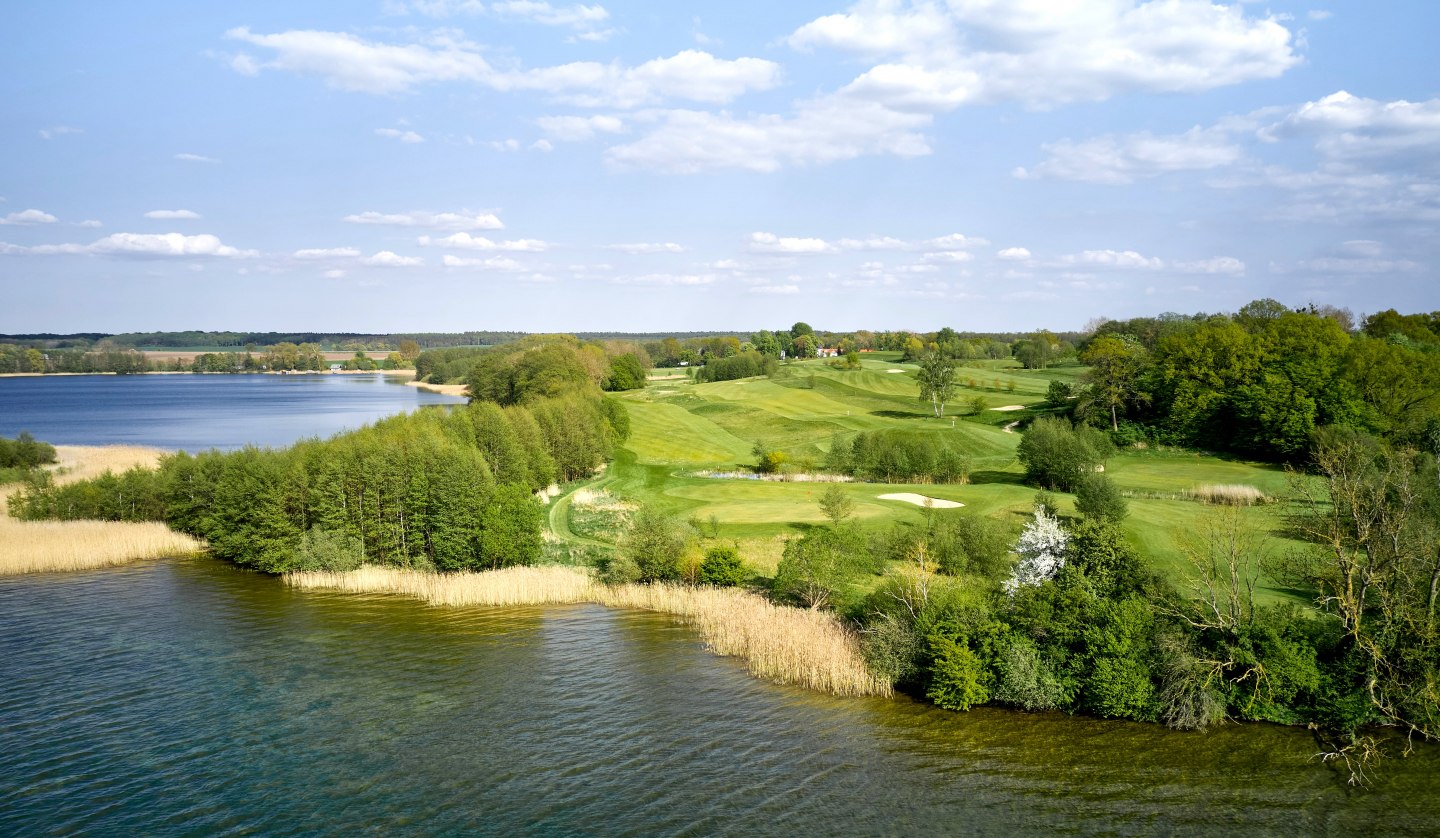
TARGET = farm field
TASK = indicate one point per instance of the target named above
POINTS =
(682, 432)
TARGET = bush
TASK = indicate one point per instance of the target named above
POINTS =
(654, 545)
(328, 550)
(722, 568)
(1025, 679)
(1098, 498)
(1056, 454)
(25, 452)
(956, 676)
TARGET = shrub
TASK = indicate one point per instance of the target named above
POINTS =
(327, 550)
(1098, 498)
(722, 568)
(1056, 454)
(654, 545)
(956, 676)
(1024, 678)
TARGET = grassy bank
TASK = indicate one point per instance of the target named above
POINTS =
(49, 546)
(780, 644)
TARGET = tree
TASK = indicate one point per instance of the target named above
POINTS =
(836, 503)
(1098, 498)
(654, 544)
(1042, 552)
(510, 528)
(626, 373)
(1058, 394)
(937, 380)
(1057, 455)
(722, 568)
(409, 350)
(956, 676)
(1115, 366)
(815, 569)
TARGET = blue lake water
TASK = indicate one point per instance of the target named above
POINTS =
(195, 412)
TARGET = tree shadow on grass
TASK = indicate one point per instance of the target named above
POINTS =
(901, 414)
(991, 477)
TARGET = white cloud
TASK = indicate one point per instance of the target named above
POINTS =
(666, 279)
(336, 273)
(1349, 128)
(465, 241)
(511, 144)
(948, 256)
(578, 16)
(1044, 53)
(578, 128)
(955, 241)
(1113, 259)
(875, 243)
(1013, 254)
(771, 243)
(58, 131)
(397, 134)
(786, 289)
(820, 131)
(326, 253)
(542, 145)
(89, 222)
(390, 259)
(1319, 14)
(647, 247)
(1218, 265)
(1123, 159)
(28, 217)
(195, 158)
(348, 62)
(173, 215)
(432, 220)
(1357, 265)
(139, 245)
(493, 263)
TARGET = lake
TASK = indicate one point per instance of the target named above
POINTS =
(195, 412)
(188, 697)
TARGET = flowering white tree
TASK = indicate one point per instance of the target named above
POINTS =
(1042, 551)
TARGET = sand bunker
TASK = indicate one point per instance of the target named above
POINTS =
(894, 370)
(1010, 407)
(921, 500)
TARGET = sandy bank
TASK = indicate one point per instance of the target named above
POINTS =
(921, 500)
(1009, 407)
(442, 389)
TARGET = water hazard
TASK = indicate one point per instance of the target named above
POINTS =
(189, 697)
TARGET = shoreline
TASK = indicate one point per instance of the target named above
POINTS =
(410, 373)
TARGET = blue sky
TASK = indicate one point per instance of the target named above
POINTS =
(443, 165)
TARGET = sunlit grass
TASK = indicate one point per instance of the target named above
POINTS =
(778, 643)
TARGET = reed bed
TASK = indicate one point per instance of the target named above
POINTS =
(1228, 494)
(781, 644)
(51, 546)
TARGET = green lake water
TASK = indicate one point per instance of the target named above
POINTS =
(192, 698)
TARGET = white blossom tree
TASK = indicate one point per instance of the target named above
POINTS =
(1042, 551)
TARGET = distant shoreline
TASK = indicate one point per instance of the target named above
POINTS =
(410, 373)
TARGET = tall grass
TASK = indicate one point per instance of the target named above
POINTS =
(1231, 494)
(49, 546)
(781, 644)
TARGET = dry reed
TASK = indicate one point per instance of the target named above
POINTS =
(49, 546)
(781, 644)
(1228, 494)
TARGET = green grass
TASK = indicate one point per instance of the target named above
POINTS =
(679, 428)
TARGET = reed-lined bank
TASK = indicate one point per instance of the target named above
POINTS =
(786, 645)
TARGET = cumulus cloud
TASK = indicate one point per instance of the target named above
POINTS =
(1218, 265)
(348, 62)
(585, 19)
(492, 263)
(1013, 254)
(666, 279)
(397, 134)
(173, 215)
(28, 217)
(1113, 259)
(786, 289)
(1042, 53)
(89, 222)
(140, 246)
(390, 259)
(432, 220)
(195, 158)
(465, 241)
(820, 131)
(327, 253)
(771, 243)
(647, 247)
(1124, 159)
(579, 128)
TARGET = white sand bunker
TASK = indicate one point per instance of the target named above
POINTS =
(894, 370)
(1010, 407)
(921, 500)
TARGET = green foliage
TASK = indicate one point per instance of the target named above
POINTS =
(25, 452)
(937, 380)
(815, 570)
(1120, 662)
(1098, 498)
(325, 550)
(722, 568)
(968, 543)
(626, 373)
(653, 547)
(1057, 455)
(1024, 678)
(897, 456)
(1098, 550)
(510, 528)
(767, 460)
(957, 676)
(836, 503)
(1058, 394)
(744, 365)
